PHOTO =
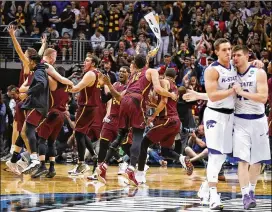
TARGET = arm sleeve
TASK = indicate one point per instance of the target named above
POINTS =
(105, 97)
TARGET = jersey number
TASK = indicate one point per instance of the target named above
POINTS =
(242, 98)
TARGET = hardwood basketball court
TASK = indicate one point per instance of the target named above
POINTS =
(167, 189)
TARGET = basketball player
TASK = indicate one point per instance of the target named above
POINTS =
(250, 137)
(110, 126)
(49, 58)
(218, 116)
(132, 111)
(50, 127)
(166, 127)
(87, 106)
(36, 106)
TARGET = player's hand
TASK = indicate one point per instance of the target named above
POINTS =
(11, 30)
(106, 79)
(100, 78)
(258, 63)
(70, 83)
(174, 96)
(106, 119)
(190, 96)
(150, 121)
(23, 96)
(44, 38)
(237, 87)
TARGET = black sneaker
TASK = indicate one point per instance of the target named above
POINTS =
(41, 171)
(50, 174)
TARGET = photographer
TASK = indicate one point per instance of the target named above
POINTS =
(197, 148)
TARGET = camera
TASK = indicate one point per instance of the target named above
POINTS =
(77, 67)
(189, 130)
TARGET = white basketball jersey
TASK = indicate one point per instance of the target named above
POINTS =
(248, 83)
(227, 77)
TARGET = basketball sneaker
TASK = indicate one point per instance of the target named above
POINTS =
(93, 176)
(41, 171)
(122, 168)
(22, 164)
(140, 177)
(81, 169)
(33, 166)
(50, 174)
(130, 175)
(252, 196)
(101, 171)
(13, 167)
(248, 202)
(186, 163)
(215, 202)
(26, 156)
(204, 193)
(73, 170)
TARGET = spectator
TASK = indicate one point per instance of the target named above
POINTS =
(65, 45)
(167, 64)
(98, 40)
(114, 15)
(20, 19)
(143, 48)
(54, 18)
(165, 32)
(109, 72)
(98, 21)
(38, 13)
(197, 148)
(2, 123)
(83, 21)
(32, 27)
(75, 10)
(67, 19)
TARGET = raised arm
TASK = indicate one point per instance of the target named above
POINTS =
(18, 49)
(44, 45)
(87, 80)
(211, 83)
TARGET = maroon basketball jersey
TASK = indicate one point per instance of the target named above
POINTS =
(29, 78)
(139, 84)
(89, 96)
(170, 109)
(115, 106)
(59, 98)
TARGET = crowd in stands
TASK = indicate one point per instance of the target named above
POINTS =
(188, 31)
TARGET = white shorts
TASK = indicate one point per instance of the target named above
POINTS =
(250, 140)
(218, 131)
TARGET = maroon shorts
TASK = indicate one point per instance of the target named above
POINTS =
(110, 130)
(131, 112)
(164, 131)
(20, 116)
(84, 119)
(51, 126)
(34, 117)
(96, 126)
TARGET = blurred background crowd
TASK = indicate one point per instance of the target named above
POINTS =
(116, 30)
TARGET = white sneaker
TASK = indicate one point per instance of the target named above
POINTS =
(215, 203)
(22, 164)
(204, 193)
(146, 167)
(186, 163)
(26, 156)
(33, 166)
(122, 168)
(73, 170)
(140, 178)
(13, 167)
(93, 176)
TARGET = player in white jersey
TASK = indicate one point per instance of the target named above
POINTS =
(218, 116)
(250, 136)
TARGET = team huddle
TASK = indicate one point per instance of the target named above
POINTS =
(115, 115)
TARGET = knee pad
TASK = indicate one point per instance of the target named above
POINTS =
(215, 162)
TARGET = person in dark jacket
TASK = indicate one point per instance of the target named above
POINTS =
(36, 105)
(2, 118)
